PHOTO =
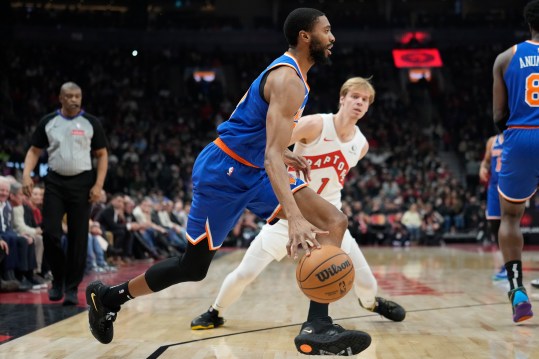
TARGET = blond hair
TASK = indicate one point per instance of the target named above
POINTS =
(360, 83)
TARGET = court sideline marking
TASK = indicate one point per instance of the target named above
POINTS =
(163, 348)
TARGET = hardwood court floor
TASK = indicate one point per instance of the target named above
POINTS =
(454, 311)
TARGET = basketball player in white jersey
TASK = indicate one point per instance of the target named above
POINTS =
(332, 144)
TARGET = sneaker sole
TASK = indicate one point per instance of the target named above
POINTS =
(521, 319)
(202, 327)
(206, 326)
(523, 312)
(344, 344)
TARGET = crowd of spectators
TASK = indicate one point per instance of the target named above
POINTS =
(120, 231)
(21, 243)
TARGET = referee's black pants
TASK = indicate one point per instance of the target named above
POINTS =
(67, 195)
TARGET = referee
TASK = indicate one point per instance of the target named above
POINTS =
(70, 136)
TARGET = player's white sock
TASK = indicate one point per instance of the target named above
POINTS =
(365, 285)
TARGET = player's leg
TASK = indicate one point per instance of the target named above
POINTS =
(255, 260)
(105, 301)
(493, 214)
(501, 272)
(323, 215)
(206, 231)
(366, 286)
(252, 264)
(318, 335)
(517, 182)
(511, 244)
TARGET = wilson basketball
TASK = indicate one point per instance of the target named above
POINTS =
(326, 275)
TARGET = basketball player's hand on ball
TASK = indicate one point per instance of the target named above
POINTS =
(302, 233)
(299, 163)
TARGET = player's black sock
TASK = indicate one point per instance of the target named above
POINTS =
(115, 296)
(317, 310)
(514, 273)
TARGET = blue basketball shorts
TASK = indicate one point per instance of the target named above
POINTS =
(493, 202)
(519, 175)
(222, 189)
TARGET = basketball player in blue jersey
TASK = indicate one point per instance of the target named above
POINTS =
(488, 173)
(245, 167)
(516, 109)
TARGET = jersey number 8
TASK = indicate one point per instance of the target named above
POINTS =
(532, 90)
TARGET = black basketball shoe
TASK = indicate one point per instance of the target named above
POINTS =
(99, 316)
(387, 309)
(322, 337)
(208, 320)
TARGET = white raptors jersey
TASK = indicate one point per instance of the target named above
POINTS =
(331, 159)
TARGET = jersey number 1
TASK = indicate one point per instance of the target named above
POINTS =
(325, 181)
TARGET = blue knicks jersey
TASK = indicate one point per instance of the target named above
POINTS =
(522, 82)
(495, 162)
(244, 134)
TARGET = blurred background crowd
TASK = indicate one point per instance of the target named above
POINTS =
(160, 100)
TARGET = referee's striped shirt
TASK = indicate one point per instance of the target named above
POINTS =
(69, 141)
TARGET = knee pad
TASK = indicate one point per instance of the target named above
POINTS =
(192, 267)
(163, 274)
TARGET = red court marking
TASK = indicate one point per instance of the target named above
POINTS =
(41, 296)
(124, 273)
(399, 284)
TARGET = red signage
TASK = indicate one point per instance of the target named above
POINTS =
(417, 58)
